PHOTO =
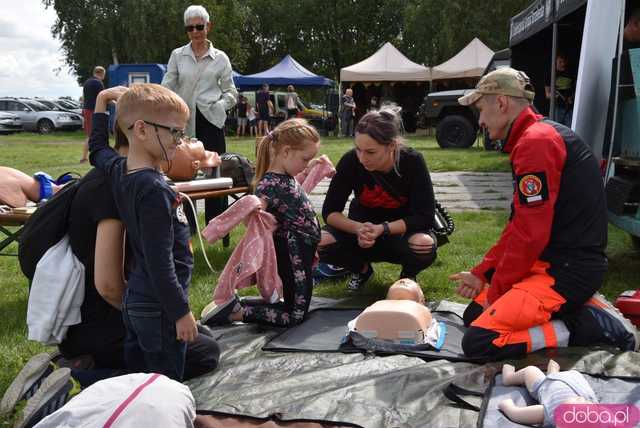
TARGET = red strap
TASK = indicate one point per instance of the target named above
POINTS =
(128, 400)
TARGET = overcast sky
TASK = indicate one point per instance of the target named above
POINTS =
(29, 55)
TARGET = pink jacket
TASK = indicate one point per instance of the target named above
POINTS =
(254, 258)
(253, 261)
(324, 168)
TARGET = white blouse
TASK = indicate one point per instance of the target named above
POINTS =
(206, 84)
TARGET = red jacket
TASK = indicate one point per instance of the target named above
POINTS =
(538, 154)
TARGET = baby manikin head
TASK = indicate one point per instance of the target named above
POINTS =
(406, 289)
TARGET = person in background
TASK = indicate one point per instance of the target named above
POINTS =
(565, 90)
(253, 120)
(291, 101)
(348, 113)
(201, 75)
(272, 115)
(262, 104)
(242, 116)
(373, 104)
(90, 91)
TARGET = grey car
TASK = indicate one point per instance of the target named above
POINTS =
(57, 105)
(36, 116)
(9, 123)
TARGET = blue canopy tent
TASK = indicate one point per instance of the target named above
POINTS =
(286, 72)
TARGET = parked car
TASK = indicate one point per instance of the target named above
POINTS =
(58, 105)
(9, 123)
(35, 116)
(456, 125)
(69, 104)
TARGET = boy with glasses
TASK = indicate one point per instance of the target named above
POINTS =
(156, 309)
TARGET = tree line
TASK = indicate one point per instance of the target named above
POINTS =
(323, 35)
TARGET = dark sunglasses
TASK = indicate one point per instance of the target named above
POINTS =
(177, 134)
(190, 28)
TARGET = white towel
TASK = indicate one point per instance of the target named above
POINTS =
(57, 293)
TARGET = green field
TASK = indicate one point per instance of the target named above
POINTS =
(475, 232)
(60, 152)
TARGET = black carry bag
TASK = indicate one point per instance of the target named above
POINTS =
(238, 168)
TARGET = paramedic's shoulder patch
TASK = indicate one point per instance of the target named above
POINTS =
(532, 188)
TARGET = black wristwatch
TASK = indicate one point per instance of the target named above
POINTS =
(385, 229)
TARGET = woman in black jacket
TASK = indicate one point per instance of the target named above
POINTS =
(391, 215)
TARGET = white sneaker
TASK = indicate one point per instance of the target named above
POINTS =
(27, 382)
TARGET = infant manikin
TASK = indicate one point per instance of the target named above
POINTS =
(189, 158)
(402, 318)
(550, 390)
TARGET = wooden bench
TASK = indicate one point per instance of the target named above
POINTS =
(18, 217)
(11, 219)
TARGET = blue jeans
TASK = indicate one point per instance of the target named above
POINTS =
(347, 124)
(151, 343)
(564, 115)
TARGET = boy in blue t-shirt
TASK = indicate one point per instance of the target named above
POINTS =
(156, 309)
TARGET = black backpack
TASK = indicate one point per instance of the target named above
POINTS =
(238, 168)
(45, 228)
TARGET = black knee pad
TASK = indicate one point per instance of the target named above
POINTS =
(476, 341)
(472, 312)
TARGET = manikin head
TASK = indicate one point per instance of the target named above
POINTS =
(406, 289)
(189, 158)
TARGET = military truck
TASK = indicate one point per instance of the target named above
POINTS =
(456, 125)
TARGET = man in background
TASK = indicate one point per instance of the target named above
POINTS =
(90, 91)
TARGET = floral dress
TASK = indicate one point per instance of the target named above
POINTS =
(295, 240)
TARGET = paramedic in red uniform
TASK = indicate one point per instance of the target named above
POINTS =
(537, 286)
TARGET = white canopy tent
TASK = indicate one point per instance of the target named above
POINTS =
(388, 64)
(469, 62)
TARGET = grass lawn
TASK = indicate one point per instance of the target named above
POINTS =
(475, 232)
(60, 152)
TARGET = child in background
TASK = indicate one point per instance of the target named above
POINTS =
(155, 310)
(282, 154)
(253, 121)
(272, 115)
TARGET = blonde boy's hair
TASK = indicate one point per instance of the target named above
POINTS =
(294, 133)
(99, 70)
(148, 101)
